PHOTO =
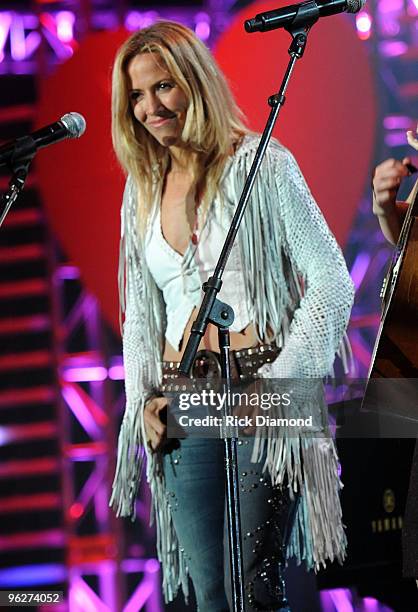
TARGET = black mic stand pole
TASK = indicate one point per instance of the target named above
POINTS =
(24, 152)
(214, 311)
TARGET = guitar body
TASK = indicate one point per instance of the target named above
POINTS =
(395, 353)
(396, 350)
(377, 436)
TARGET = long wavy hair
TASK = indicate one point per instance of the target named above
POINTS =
(213, 124)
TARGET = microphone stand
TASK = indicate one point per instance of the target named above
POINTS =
(24, 152)
(214, 311)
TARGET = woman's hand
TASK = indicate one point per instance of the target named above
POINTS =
(412, 138)
(386, 180)
(155, 429)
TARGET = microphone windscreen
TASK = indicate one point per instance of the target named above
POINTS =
(75, 124)
(354, 6)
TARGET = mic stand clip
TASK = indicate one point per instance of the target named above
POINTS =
(23, 154)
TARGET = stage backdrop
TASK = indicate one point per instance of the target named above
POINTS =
(328, 122)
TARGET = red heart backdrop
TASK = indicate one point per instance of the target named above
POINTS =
(328, 122)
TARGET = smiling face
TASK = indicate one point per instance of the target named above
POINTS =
(157, 101)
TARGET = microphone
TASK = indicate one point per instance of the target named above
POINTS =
(301, 14)
(71, 125)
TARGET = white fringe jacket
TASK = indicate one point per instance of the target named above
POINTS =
(285, 245)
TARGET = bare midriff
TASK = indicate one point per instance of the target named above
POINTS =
(246, 338)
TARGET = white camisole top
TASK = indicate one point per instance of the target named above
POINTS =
(180, 277)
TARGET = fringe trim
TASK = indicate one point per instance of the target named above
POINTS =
(267, 290)
(345, 353)
(311, 467)
(130, 461)
(174, 568)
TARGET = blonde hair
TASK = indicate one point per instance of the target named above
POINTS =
(213, 120)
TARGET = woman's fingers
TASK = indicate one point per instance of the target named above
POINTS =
(156, 439)
(412, 138)
(386, 180)
(155, 428)
(390, 169)
(154, 421)
(389, 182)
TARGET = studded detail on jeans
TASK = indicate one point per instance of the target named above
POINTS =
(170, 495)
(266, 591)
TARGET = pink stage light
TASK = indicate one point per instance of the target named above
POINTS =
(393, 49)
(5, 23)
(363, 25)
(202, 27)
(116, 372)
(336, 599)
(202, 30)
(390, 6)
(83, 598)
(30, 22)
(359, 269)
(86, 374)
(133, 566)
(33, 40)
(152, 566)
(79, 600)
(370, 604)
(395, 139)
(17, 39)
(49, 25)
(76, 511)
(133, 21)
(141, 594)
(65, 26)
(68, 272)
(397, 122)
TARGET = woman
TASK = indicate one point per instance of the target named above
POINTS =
(386, 182)
(180, 137)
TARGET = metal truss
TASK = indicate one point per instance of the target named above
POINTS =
(107, 571)
(53, 30)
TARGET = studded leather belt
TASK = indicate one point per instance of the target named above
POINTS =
(207, 365)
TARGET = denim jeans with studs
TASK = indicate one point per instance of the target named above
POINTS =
(195, 488)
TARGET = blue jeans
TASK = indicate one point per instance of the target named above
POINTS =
(195, 487)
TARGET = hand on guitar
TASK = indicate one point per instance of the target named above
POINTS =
(387, 178)
(412, 138)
